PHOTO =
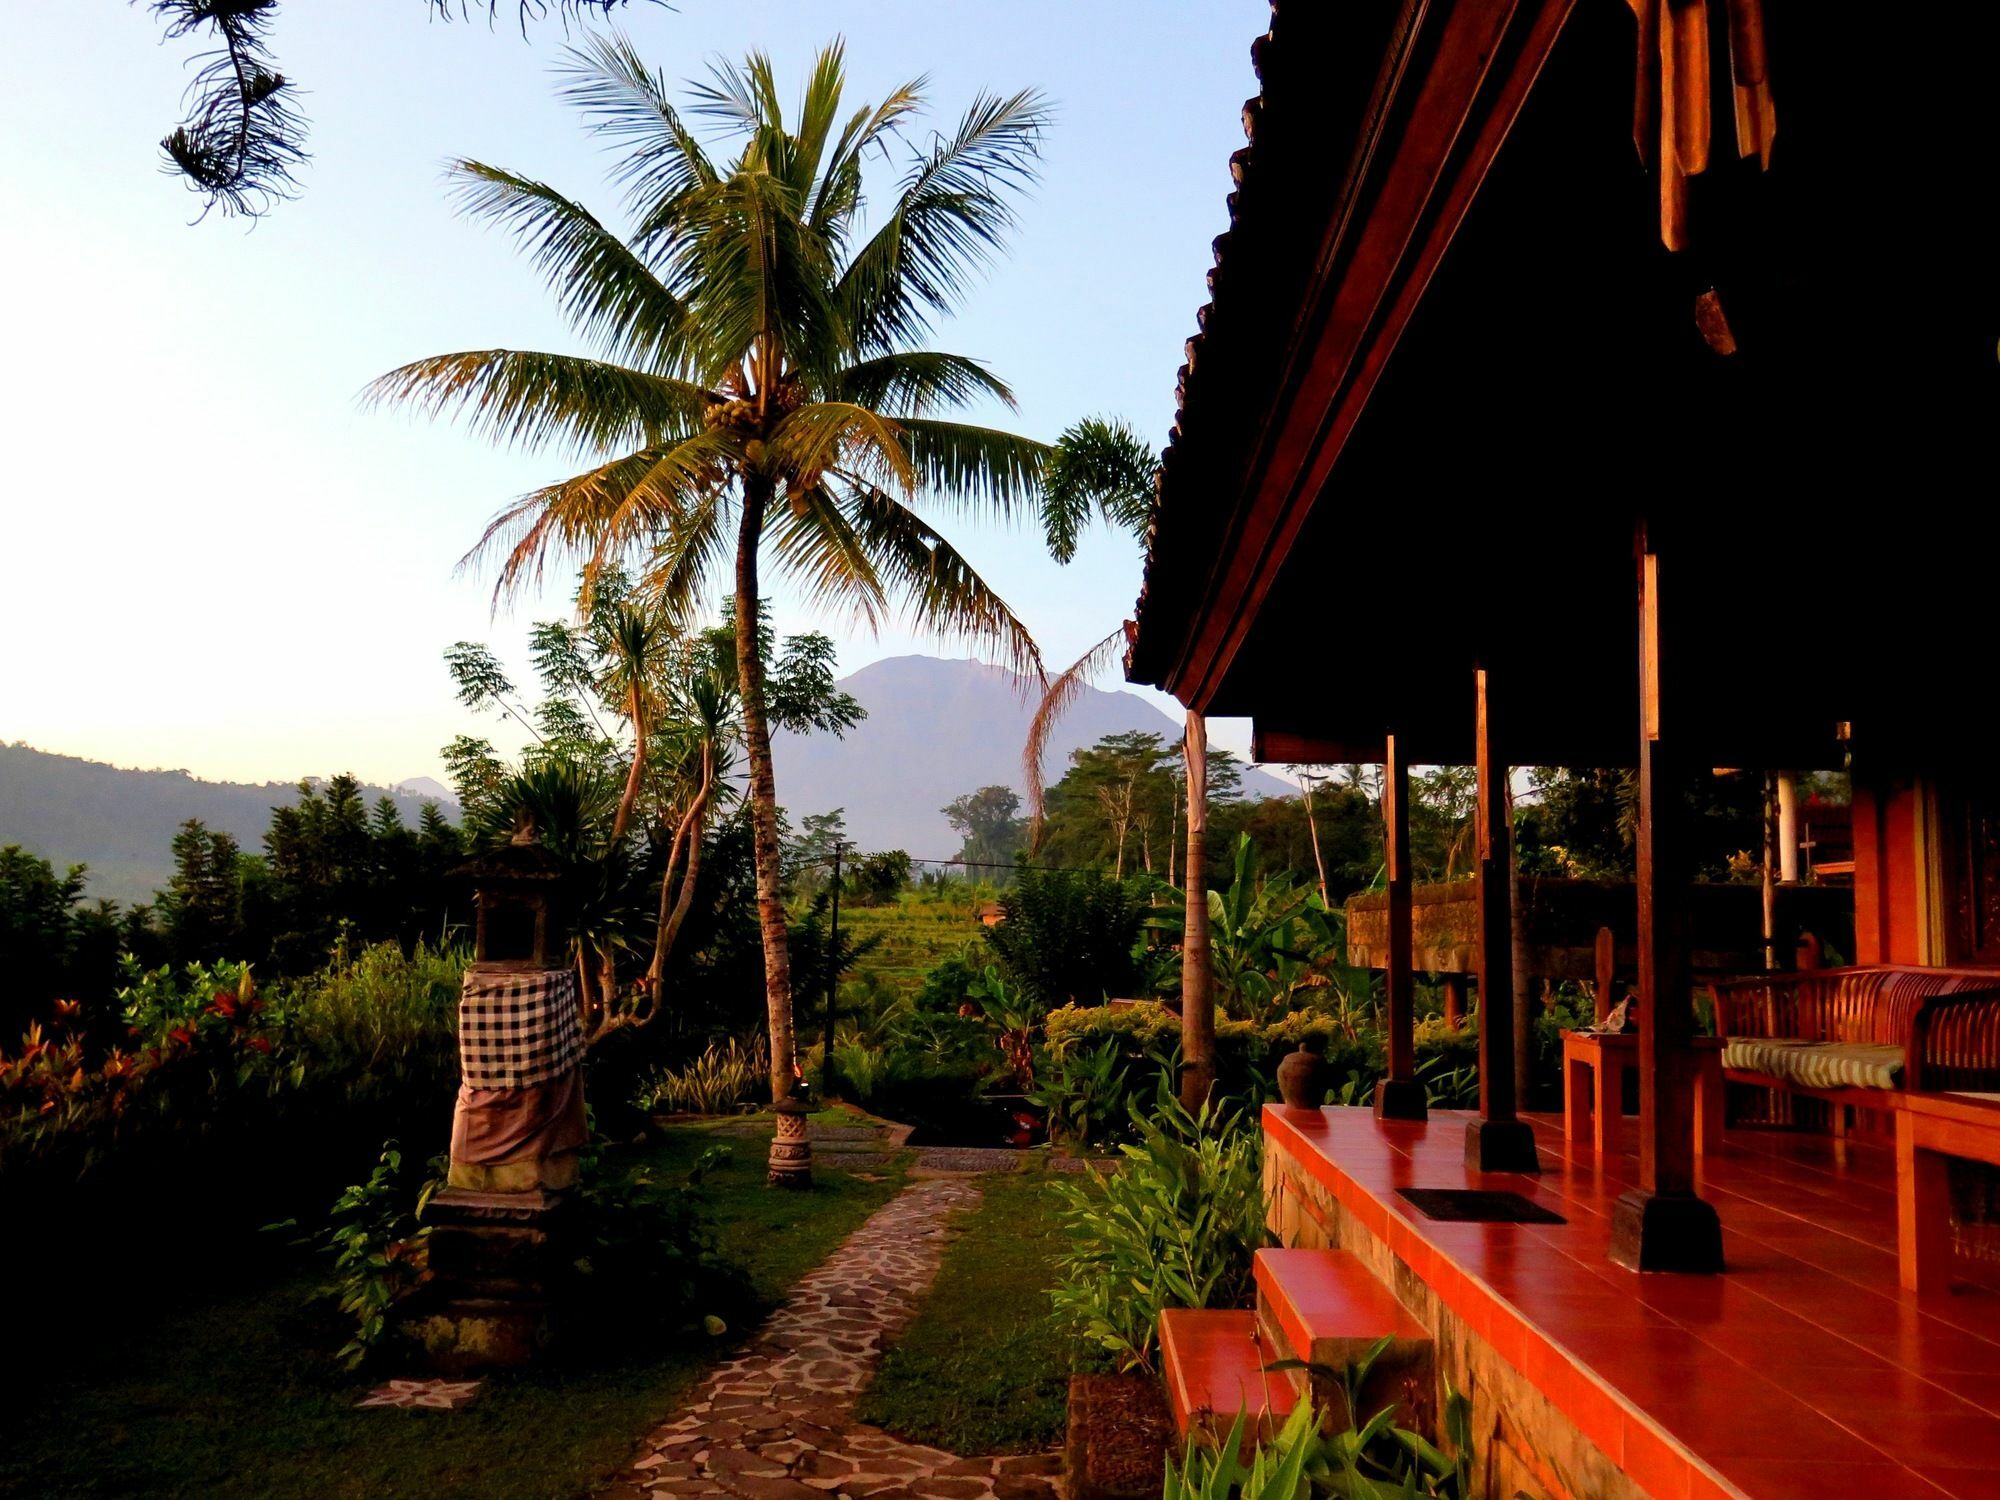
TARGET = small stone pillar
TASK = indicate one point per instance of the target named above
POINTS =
(497, 1245)
(791, 1149)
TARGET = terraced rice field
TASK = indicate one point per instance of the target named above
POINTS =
(917, 933)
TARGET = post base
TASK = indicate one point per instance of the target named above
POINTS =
(1400, 1099)
(1501, 1146)
(791, 1158)
(498, 1263)
(1666, 1232)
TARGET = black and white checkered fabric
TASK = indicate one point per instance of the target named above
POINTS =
(518, 1030)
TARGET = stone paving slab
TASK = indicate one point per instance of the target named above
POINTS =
(777, 1421)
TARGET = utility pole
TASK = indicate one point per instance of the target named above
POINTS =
(832, 973)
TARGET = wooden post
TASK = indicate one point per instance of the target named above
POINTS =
(1606, 956)
(1399, 1096)
(1197, 976)
(1498, 1141)
(1454, 1000)
(1663, 1225)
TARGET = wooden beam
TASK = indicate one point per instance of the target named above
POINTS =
(1663, 1225)
(1399, 1096)
(1499, 1140)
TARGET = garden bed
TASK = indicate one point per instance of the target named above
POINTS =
(228, 1389)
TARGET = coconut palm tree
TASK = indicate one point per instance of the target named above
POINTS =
(759, 388)
(1102, 468)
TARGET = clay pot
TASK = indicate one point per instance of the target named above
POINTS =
(1304, 1077)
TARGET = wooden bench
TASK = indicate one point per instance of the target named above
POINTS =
(1861, 1037)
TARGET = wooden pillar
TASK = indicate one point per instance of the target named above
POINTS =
(1498, 1141)
(1454, 1000)
(1605, 954)
(1399, 1096)
(1663, 1225)
(1197, 972)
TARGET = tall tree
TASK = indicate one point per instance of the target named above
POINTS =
(761, 382)
(990, 828)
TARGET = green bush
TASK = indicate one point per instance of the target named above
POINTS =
(1146, 1038)
(1175, 1226)
(719, 1080)
(1070, 936)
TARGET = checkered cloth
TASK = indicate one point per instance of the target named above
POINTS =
(518, 1030)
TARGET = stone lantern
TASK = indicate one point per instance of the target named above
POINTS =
(496, 1246)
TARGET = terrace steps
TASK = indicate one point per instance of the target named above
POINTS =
(1324, 1307)
(1213, 1363)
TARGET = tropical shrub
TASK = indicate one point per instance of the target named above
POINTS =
(1247, 1053)
(1069, 936)
(719, 1080)
(1081, 1094)
(196, 1041)
(1176, 1225)
(378, 1250)
(1361, 1460)
(648, 1246)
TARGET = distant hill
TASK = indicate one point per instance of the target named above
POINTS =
(121, 823)
(936, 729)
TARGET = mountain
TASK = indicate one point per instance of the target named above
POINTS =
(121, 823)
(936, 730)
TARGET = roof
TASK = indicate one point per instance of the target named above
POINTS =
(1448, 366)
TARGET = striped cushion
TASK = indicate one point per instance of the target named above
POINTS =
(1817, 1065)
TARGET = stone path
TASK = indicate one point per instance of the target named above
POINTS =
(777, 1421)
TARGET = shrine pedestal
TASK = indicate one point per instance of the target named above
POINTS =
(497, 1263)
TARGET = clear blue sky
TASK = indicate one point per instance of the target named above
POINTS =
(215, 560)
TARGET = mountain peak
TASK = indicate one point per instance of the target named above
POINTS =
(937, 728)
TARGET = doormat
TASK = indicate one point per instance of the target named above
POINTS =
(1478, 1206)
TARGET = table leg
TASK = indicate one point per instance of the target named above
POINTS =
(1923, 1213)
(1576, 1097)
(1609, 1088)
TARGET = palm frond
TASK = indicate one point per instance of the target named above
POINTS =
(609, 293)
(528, 399)
(951, 213)
(594, 516)
(839, 193)
(1059, 695)
(920, 381)
(973, 467)
(626, 103)
(844, 434)
(1099, 465)
(687, 561)
(941, 590)
(815, 544)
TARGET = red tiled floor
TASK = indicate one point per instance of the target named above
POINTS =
(1803, 1370)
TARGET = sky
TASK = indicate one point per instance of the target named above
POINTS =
(213, 559)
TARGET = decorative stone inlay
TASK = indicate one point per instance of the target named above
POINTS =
(443, 1395)
(777, 1421)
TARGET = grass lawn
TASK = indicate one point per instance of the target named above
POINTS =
(228, 1396)
(983, 1368)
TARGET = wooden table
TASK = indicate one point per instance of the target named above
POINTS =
(1607, 1057)
(1931, 1129)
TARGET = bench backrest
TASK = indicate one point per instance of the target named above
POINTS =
(1877, 1003)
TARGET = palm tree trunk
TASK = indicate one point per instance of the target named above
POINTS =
(763, 791)
(1197, 972)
